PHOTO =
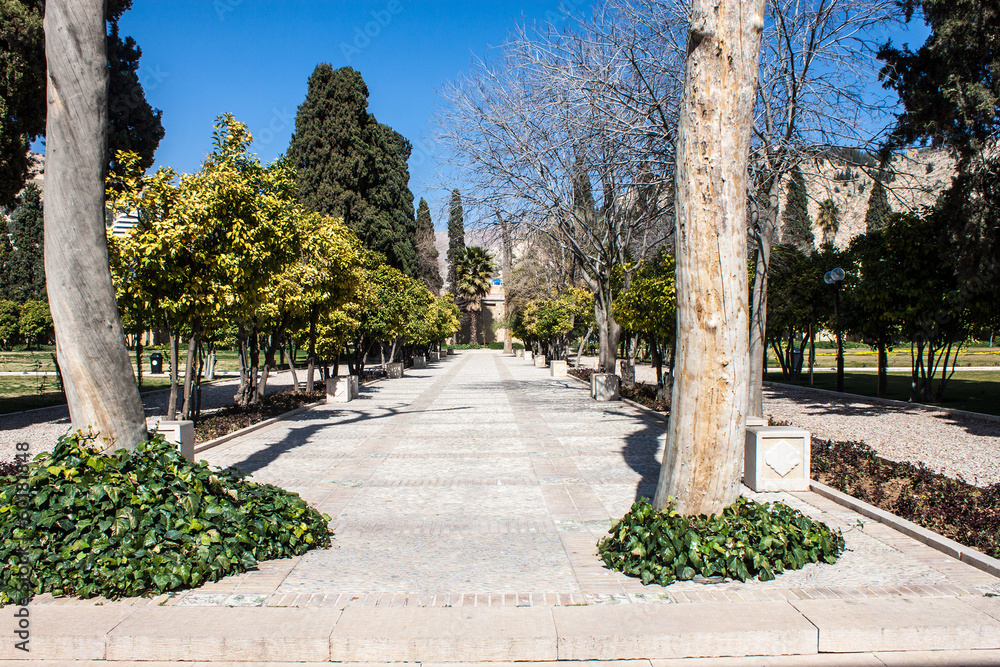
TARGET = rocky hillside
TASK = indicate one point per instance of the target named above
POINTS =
(917, 177)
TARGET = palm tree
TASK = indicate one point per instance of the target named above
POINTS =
(828, 220)
(473, 272)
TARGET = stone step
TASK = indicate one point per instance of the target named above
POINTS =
(121, 632)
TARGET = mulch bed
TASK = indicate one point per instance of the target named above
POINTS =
(950, 507)
(642, 393)
(234, 417)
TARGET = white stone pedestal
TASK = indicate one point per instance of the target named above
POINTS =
(394, 371)
(181, 433)
(540, 361)
(528, 355)
(559, 369)
(419, 361)
(776, 458)
(433, 356)
(342, 388)
(519, 353)
(605, 386)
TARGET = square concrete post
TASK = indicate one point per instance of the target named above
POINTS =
(419, 361)
(540, 361)
(776, 458)
(181, 433)
(342, 388)
(559, 369)
(433, 356)
(519, 353)
(528, 356)
(394, 371)
(605, 386)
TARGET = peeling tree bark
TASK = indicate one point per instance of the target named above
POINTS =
(97, 375)
(703, 458)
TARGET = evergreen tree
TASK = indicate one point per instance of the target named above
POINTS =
(877, 216)
(828, 220)
(352, 167)
(456, 238)
(797, 227)
(6, 252)
(132, 123)
(27, 266)
(427, 254)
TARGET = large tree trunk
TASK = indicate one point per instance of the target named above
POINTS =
(703, 457)
(609, 334)
(97, 374)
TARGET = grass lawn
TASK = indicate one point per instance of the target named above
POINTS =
(18, 361)
(858, 357)
(26, 393)
(976, 391)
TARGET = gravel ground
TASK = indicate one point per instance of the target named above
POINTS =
(957, 445)
(41, 428)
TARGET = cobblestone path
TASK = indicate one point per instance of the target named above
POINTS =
(484, 481)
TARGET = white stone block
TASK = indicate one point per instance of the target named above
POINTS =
(540, 361)
(181, 433)
(419, 361)
(519, 353)
(342, 388)
(559, 369)
(605, 386)
(776, 458)
(394, 371)
(528, 355)
(756, 421)
(433, 356)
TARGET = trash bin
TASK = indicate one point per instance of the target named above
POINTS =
(796, 369)
(156, 363)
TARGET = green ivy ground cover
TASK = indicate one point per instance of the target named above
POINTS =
(747, 540)
(78, 522)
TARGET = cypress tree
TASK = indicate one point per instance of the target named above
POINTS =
(6, 252)
(456, 238)
(427, 254)
(27, 265)
(879, 211)
(352, 167)
(797, 227)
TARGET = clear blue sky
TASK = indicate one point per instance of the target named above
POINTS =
(252, 58)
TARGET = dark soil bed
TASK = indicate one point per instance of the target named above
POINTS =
(234, 417)
(950, 507)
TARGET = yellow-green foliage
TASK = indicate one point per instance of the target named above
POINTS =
(649, 304)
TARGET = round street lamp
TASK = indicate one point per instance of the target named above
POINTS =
(833, 278)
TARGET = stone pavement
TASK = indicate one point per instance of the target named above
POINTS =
(467, 500)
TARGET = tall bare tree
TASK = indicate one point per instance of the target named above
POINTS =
(703, 456)
(537, 142)
(817, 70)
(97, 375)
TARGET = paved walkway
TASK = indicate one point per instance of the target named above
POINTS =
(467, 499)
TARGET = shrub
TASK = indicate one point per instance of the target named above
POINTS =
(465, 346)
(133, 523)
(747, 540)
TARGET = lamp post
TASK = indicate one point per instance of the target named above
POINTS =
(834, 278)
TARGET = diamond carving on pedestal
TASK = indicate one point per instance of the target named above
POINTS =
(783, 457)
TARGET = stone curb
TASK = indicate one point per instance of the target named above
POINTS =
(952, 548)
(803, 628)
(890, 401)
(221, 440)
(253, 427)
